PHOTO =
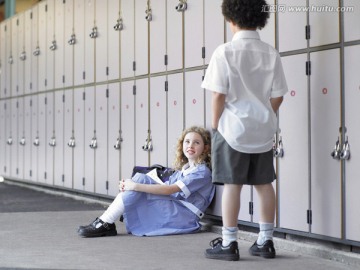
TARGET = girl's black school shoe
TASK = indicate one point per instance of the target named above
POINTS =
(97, 228)
(218, 252)
(265, 250)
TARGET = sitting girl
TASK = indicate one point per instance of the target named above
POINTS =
(176, 207)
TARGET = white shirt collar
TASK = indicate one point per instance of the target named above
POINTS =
(186, 169)
(246, 34)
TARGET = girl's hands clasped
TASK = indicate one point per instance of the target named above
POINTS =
(126, 184)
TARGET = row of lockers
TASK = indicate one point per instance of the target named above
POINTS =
(62, 43)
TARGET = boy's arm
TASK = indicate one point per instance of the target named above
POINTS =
(276, 102)
(217, 103)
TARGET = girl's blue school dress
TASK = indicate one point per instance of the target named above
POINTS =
(149, 214)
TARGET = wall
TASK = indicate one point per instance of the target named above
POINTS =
(91, 88)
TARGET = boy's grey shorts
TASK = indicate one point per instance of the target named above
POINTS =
(232, 167)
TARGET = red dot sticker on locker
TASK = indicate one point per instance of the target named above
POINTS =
(324, 91)
(127, 106)
(100, 108)
(114, 108)
(78, 109)
(141, 105)
(175, 102)
(158, 104)
(194, 101)
(293, 93)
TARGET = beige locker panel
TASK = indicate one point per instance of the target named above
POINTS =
(142, 123)
(194, 99)
(158, 36)
(351, 18)
(127, 39)
(26, 139)
(34, 138)
(91, 33)
(293, 173)
(175, 114)
(59, 51)
(101, 130)
(324, 22)
(90, 139)
(174, 36)
(9, 138)
(3, 56)
(102, 53)
(208, 109)
(32, 51)
(325, 123)
(193, 31)
(80, 38)
(59, 135)
(20, 57)
(79, 140)
(13, 57)
(267, 34)
(15, 137)
(113, 44)
(291, 25)
(3, 138)
(352, 184)
(49, 46)
(127, 129)
(141, 38)
(51, 139)
(158, 123)
(42, 136)
(42, 47)
(69, 45)
(213, 27)
(69, 142)
(113, 136)
(21, 138)
(26, 55)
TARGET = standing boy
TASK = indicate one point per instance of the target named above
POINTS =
(248, 84)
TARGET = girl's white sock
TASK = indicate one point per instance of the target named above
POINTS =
(266, 232)
(114, 211)
(229, 234)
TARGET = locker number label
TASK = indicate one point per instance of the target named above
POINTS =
(324, 91)
(293, 93)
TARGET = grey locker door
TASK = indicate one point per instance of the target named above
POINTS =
(9, 138)
(59, 135)
(3, 56)
(101, 129)
(267, 34)
(51, 140)
(90, 139)
(59, 52)
(34, 138)
(26, 139)
(2, 137)
(89, 46)
(127, 129)
(293, 173)
(26, 53)
(174, 36)
(15, 136)
(42, 45)
(158, 117)
(113, 44)
(325, 123)
(101, 18)
(68, 138)
(141, 38)
(114, 135)
(21, 138)
(43, 140)
(69, 47)
(50, 38)
(351, 18)
(352, 183)
(80, 38)
(127, 39)
(158, 37)
(79, 139)
(14, 63)
(31, 51)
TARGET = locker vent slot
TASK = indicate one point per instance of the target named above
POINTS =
(30, 173)
(63, 178)
(83, 75)
(83, 181)
(134, 66)
(307, 32)
(107, 185)
(45, 176)
(83, 95)
(107, 71)
(63, 98)
(308, 68)
(63, 78)
(45, 82)
(107, 93)
(134, 90)
(166, 86)
(31, 86)
(203, 52)
(309, 217)
(166, 59)
(5, 169)
(251, 208)
(45, 100)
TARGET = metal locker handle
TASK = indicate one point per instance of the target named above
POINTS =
(52, 142)
(148, 16)
(72, 39)
(53, 45)
(11, 60)
(9, 141)
(94, 33)
(22, 141)
(119, 25)
(36, 52)
(71, 142)
(37, 141)
(345, 152)
(279, 151)
(22, 56)
(117, 143)
(336, 152)
(182, 6)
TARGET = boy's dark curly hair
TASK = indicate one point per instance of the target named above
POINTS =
(246, 13)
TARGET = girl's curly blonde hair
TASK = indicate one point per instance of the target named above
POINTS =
(205, 157)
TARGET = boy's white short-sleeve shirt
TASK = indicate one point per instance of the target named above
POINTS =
(249, 72)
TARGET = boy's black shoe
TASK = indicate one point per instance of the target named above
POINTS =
(265, 250)
(218, 252)
(97, 228)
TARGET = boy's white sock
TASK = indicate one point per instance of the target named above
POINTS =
(266, 232)
(114, 211)
(229, 234)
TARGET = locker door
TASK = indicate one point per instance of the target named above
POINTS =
(351, 18)
(102, 40)
(291, 25)
(113, 56)
(15, 137)
(325, 116)
(175, 113)
(34, 138)
(26, 54)
(194, 27)
(2, 137)
(194, 99)
(127, 129)
(14, 52)
(69, 47)
(20, 139)
(50, 39)
(25, 140)
(9, 58)
(31, 51)
(324, 24)
(158, 124)
(80, 38)
(141, 122)
(3, 61)
(267, 34)
(43, 140)
(79, 136)
(90, 138)
(141, 38)
(101, 129)
(19, 57)
(158, 36)
(42, 45)
(293, 174)
(174, 36)
(59, 135)
(9, 138)
(90, 29)
(51, 139)
(127, 39)
(213, 27)
(68, 136)
(59, 53)
(352, 87)
(113, 136)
